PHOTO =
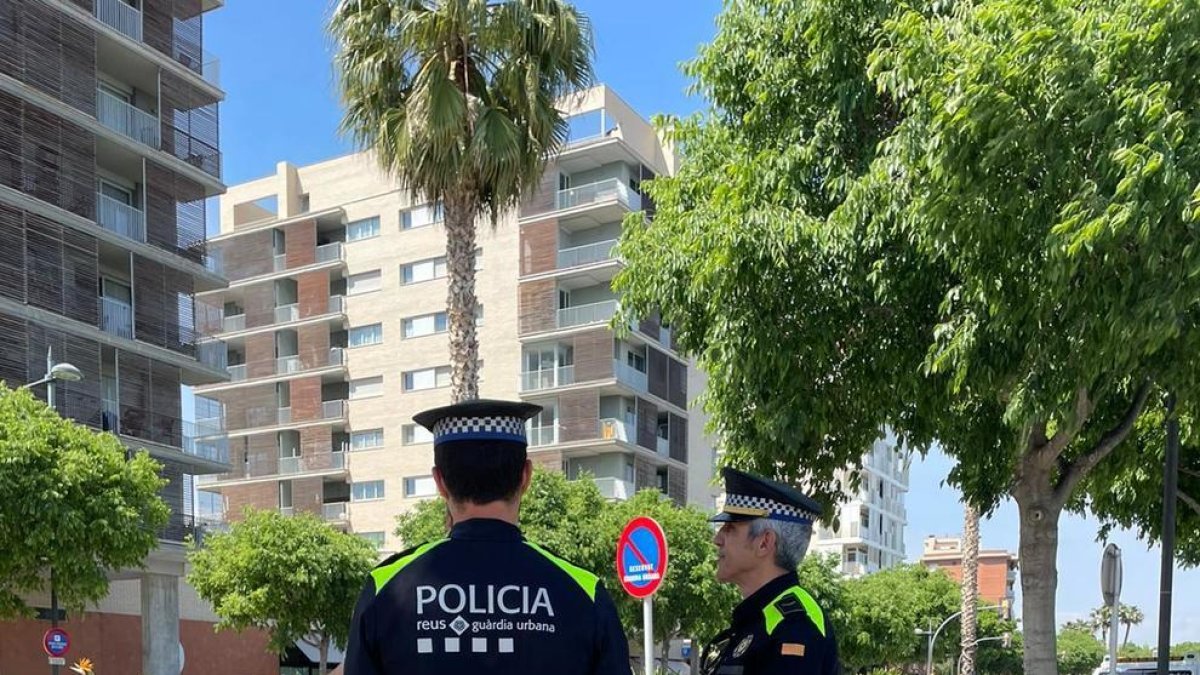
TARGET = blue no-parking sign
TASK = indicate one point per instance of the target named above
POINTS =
(56, 642)
(641, 557)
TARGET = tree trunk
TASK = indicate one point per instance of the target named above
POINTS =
(970, 588)
(324, 648)
(461, 302)
(1039, 514)
(1126, 640)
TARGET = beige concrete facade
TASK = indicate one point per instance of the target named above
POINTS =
(566, 228)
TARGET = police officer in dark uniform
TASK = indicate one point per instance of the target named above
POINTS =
(778, 629)
(483, 600)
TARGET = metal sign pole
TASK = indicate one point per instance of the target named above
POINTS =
(1111, 577)
(648, 633)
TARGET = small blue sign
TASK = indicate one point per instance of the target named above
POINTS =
(56, 642)
(641, 557)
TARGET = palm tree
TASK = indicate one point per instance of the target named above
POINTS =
(970, 587)
(1130, 616)
(457, 99)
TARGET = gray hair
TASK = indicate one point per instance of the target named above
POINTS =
(791, 540)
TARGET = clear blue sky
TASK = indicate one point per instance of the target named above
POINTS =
(276, 69)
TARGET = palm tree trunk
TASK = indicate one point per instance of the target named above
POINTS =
(1127, 627)
(324, 649)
(970, 587)
(460, 301)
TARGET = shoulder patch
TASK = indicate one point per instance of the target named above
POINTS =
(586, 580)
(388, 569)
(794, 601)
(791, 649)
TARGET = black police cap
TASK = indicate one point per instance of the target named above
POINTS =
(748, 497)
(479, 420)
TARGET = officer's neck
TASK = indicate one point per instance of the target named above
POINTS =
(754, 579)
(497, 510)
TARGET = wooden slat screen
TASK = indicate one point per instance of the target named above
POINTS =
(190, 124)
(175, 213)
(50, 51)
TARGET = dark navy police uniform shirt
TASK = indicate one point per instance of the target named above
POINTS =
(484, 600)
(779, 630)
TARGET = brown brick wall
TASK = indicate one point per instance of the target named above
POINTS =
(541, 199)
(307, 494)
(312, 289)
(577, 415)
(593, 356)
(300, 243)
(314, 345)
(658, 373)
(247, 255)
(306, 399)
(250, 406)
(262, 496)
(262, 451)
(549, 460)
(538, 306)
(539, 246)
(647, 432)
(259, 303)
(317, 442)
(260, 355)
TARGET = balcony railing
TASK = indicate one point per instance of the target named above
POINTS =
(596, 312)
(587, 254)
(329, 252)
(618, 430)
(336, 511)
(284, 415)
(322, 462)
(116, 216)
(287, 313)
(116, 317)
(236, 373)
(279, 262)
(213, 353)
(614, 488)
(206, 439)
(545, 435)
(286, 365)
(332, 410)
(127, 119)
(600, 191)
(663, 446)
(120, 15)
(337, 304)
(235, 323)
(547, 379)
(630, 376)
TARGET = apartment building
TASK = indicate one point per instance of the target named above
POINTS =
(108, 150)
(335, 329)
(870, 536)
(997, 569)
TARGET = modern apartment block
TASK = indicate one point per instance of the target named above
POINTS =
(871, 533)
(108, 150)
(335, 325)
(997, 569)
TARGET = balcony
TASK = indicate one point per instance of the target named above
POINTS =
(121, 218)
(331, 461)
(536, 380)
(608, 190)
(336, 512)
(287, 313)
(618, 430)
(234, 323)
(337, 304)
(286, 365)
(588, 254)
(581, 315)
(206, 439)
(121, 16)
(236, 373)
(630, 376)
(116, 317)
(330, 252)
(663, 446)
(213, 353)
(615, 488)
(332, 410)
(126, 119)
(854, 569)
(541, 436)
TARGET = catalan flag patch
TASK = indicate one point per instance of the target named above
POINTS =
(791, 649)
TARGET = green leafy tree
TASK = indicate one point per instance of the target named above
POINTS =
(1079, 652)
(1088, 625)
(457, 99)
(883, 610)
(74, 504)
(1128, 651)
(971, 222)
(1184, 648)
(296, 578)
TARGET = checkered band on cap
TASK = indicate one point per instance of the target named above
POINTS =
(486, 428)
(773, 509)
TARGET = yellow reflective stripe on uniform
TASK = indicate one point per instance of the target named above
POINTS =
(383, 575)
(773, 616)
(584, 578)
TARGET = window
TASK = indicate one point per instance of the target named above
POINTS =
(364, 282)
(362, 229)
(366, 440)
(363, 336)
(419, 486)
(376, 538)
(285, 494)
(414, 434)
(428, 378)
(117, 193)
(421, 216)
(366, 491)
(427, 324)
(423, 270)
(366, 387)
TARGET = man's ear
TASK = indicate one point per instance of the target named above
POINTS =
(526, 477)
(764, 545)
(440, 483)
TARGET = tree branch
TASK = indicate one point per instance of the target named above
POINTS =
(1183, 497)
(1080, 468)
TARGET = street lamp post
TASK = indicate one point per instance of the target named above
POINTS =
(55, 372)
(933, 638)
